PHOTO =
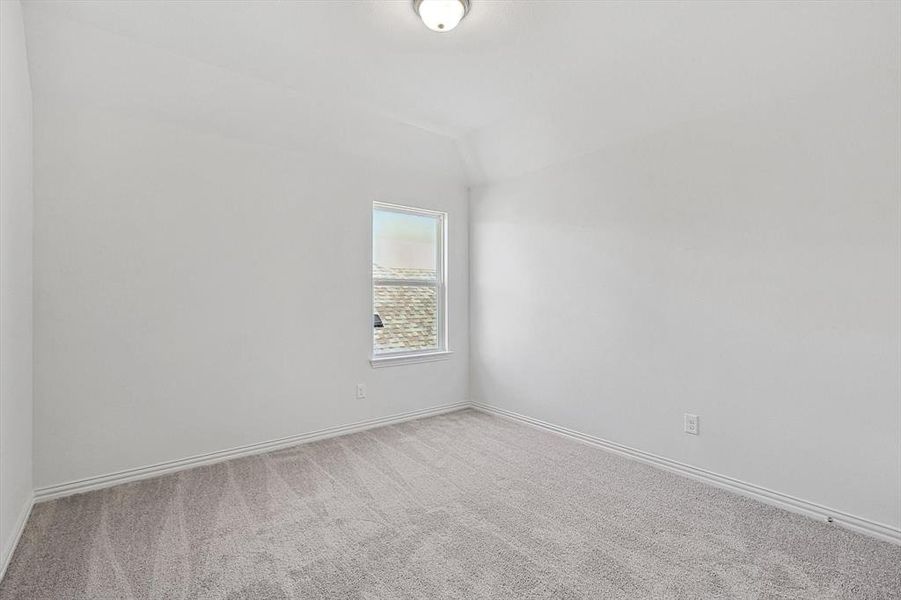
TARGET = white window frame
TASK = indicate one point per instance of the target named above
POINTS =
(400, 357)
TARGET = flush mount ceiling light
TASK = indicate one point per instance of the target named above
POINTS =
(441, 15)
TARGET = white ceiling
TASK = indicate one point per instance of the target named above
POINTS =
(517, 86)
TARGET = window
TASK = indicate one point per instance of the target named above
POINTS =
(408, 286)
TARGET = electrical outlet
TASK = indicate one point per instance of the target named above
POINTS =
(691, 424)
(361, 391)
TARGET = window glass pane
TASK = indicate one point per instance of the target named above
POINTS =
(404, 246)
(407, 280)
(408, 314)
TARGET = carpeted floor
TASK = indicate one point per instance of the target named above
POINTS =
(463, 505)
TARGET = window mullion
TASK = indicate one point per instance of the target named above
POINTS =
(405, 282)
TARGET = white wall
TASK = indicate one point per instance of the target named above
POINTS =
(202, 255)
(196, 293)
(744, 267)
(15, 276)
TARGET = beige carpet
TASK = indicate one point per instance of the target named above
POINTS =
(458, 506)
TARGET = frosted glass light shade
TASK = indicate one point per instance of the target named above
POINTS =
(441, 15)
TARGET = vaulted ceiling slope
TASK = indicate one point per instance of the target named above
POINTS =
(518, 86)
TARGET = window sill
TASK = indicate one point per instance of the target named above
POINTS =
(378, 362)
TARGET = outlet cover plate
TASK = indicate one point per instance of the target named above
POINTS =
(691, 424)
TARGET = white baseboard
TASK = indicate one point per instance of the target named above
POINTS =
(20, 527)
(784, 501)
(767, 496)
(103, 481)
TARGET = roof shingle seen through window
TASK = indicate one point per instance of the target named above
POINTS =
(408, 313)
(380, 272)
